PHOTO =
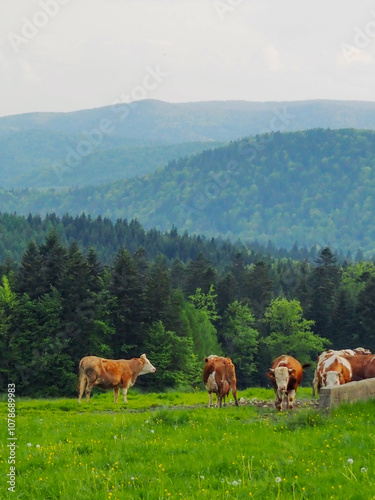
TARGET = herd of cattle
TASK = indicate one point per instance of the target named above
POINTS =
(219, 375)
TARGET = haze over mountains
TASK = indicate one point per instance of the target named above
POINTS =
(310, 187)
(102, 145)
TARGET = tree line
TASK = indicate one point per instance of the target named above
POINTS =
(107, 237)
(60, 303)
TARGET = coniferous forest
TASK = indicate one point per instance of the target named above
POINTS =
(72, 287)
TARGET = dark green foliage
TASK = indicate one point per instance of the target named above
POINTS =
(173, 356)
(366, 314)
(128, 309)
(61, 303)
(240, 341)
(324, 283)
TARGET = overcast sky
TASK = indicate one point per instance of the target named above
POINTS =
(64, 55)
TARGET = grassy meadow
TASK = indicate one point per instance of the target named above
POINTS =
(171, 445)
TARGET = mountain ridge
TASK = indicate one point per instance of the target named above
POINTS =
(39, 149)
(311, 187)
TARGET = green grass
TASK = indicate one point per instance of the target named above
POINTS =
(146, 450)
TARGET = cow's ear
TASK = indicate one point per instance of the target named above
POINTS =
(271, 373)
(292, 371)
(144, 356)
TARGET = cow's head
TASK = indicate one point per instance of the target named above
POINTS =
(208, 358)
(147, 366)
(362, 350)
(281, 376)
(331, 378)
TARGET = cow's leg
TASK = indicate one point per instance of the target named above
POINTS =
(210, 402)
(88, 391)
(315, 382)
(291, 396)
(116, 392)
(124, 394)
(279, 400)
(218, 400)
(81, 386)
(234, 392)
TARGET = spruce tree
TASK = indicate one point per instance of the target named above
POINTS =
(126, 290)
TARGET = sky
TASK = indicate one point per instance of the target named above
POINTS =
(65, 55)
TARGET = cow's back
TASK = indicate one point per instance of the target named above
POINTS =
(362, 366)
(290, 363)
(370, 368)
(108, 371)
(90, 365)
(219, 376)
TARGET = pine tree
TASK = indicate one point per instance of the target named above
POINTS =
(258, 288)
(127, 309)
(365, 336)
(95, 269)
(158, 295)
(29, 272)
(53, 260)
(178, 270)
(226, 292)
(78, 306)
(324, 283)
(200, 273)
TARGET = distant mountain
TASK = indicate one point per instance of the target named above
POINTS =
(99, 145)
(44, 159)
(313, 187)
(160, 121)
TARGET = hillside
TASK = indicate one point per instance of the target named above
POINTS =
(90, 147)
(316, 186)
(43, 159)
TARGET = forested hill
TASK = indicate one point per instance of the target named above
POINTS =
(95, 146)
(313, 187)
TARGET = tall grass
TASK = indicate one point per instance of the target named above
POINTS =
(146, 450)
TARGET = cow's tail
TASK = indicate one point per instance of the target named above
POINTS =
(82, 381)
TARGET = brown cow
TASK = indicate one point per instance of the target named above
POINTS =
(335, 370)
(111, 374)
(317, 384)
(286, 375)
(219, 377)
(363, 366)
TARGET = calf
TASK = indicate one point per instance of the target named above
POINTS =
(219, 377)
(286, 375)
(111, 374)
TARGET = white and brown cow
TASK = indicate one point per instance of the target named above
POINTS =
(335, 370)
(111, 374)
(286, 375)
(317, 384)
(219, 377)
